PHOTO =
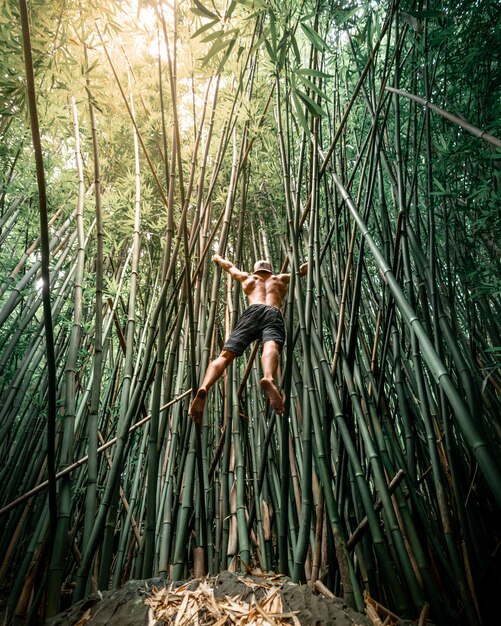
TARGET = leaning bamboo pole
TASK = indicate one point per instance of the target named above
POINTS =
(477, 132)
(45, 270)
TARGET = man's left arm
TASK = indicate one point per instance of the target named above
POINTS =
(303, 270)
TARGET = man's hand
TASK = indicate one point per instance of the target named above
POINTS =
(226, 265)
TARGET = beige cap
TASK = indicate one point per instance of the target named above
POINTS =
(262, 266)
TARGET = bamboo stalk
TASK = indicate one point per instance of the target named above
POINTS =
(55, 573)
(46, 293)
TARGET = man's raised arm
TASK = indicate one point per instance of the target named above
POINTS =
(228, 266)
(303, 270)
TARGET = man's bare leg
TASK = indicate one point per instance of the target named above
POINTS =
(213, 373)
(270, 359)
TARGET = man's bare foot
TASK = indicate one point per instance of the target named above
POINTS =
(198, 405)
(274, 395)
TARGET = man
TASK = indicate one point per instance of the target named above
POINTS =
(263, 321)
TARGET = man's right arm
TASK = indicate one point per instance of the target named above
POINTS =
(228, 266)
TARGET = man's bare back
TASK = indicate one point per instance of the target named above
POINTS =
(269, 289)
(262, 287)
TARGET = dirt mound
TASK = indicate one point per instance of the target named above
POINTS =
(224, 599)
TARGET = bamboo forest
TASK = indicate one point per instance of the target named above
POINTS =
(141, 138)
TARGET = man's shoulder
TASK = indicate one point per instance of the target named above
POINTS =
(282, 277)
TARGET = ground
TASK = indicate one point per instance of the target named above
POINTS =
(225, 599)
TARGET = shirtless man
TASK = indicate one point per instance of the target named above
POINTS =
(263, 321)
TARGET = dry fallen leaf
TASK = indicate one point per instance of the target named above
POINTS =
(183, 606)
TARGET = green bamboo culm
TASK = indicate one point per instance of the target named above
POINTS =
(45, 274)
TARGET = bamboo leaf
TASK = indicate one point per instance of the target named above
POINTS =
(310, 85)
(90, 67)
(314, 38)
(199, 13)
(295, 49)
(309, 16)
(204, 28)
(204, 11)
(262, 39)
(299, 113)
(439, 188)
(273, 31)
(310, 72)
(311, 105)
(226, 55)
(282, 47)
(231, 8)
(215, 35)
(298, 108)
(271, 52)
(218, 45)
(344, 15)
(494, 157)
(254, 3)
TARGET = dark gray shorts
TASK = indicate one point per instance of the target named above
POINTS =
(259, 322)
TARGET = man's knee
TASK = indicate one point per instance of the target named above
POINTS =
(227, 356)
(272, 346)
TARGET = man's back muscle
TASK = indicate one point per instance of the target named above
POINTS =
(269, 290)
